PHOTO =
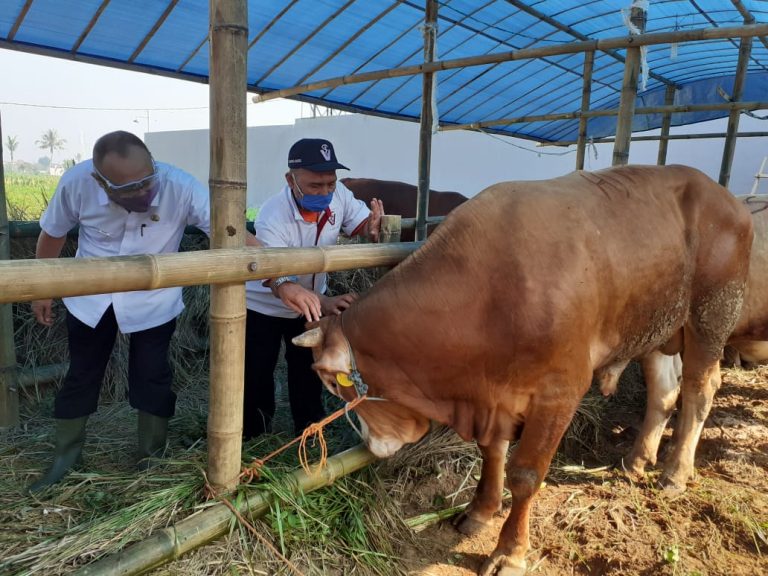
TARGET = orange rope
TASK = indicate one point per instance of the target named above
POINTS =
(314, 429)
(254, 470)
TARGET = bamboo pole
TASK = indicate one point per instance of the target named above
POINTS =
(170, 543)
(25, 280)
(729, 147)
(604, 44)
(23, 229)
(586, 94)
(391, 226)
(9, 391)
(666, 122)
(703, 135)
(681, 109)
(427, 117)
(626, 108)
(228, 84)
(41, 374)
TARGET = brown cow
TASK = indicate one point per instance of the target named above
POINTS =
(400, 198)
(496, 325)
(662, 372)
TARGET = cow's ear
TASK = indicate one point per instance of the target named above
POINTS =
(309, 339)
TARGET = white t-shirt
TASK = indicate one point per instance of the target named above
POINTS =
(107, 229)
(280, 224)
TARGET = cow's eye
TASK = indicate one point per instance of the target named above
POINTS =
(343, 379)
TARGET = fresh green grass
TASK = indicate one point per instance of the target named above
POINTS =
(27, 195)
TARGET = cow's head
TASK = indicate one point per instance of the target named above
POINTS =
(386, 425)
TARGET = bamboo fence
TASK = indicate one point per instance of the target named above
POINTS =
(170, 543)
(9, 393)
(228, 82)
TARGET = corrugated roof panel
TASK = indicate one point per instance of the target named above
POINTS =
(54, 23)
(176, 40)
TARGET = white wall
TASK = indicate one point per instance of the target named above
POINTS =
(462, 161)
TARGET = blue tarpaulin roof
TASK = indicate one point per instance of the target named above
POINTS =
(294, 42)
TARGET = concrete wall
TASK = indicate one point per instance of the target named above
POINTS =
(462, 161)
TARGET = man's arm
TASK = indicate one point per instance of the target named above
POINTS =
(47, 247)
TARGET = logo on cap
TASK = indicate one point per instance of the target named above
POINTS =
(325, 150)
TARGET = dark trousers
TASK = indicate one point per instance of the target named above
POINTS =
(149, 371)
(263, 335)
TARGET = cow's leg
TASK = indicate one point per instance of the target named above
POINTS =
(701, 379)
(544, 427)
(487, 500)
(662, 379)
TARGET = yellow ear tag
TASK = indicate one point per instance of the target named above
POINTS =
(343, 380)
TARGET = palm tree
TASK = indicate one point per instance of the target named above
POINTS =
(12, 142)
(50, 141)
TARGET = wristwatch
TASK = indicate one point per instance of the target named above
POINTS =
(277, 282)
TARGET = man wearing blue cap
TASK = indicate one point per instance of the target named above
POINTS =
(311, 210)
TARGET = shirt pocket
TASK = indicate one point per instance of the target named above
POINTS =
(152, 238)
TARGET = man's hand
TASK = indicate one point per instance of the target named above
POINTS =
(43, 311)
(300, 300)
(337, 304)
(374, 220)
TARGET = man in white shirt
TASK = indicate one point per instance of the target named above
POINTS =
(125, 203)
(311, 210)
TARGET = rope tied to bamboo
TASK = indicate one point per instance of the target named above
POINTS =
(315, 429)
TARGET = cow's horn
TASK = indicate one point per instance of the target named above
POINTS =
(310, 338)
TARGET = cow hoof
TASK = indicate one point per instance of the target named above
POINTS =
(498, 565)
(468, 525)
(634, 469)
(671, 489)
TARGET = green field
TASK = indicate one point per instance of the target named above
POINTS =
(28, 194)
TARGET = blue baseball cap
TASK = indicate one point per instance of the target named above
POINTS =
(314, 154)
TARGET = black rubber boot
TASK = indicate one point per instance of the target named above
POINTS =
(153, 433)
(70, 439)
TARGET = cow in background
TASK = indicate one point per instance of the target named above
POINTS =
(400, 198)
(749, 339)
(496, 325)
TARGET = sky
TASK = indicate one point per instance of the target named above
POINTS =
(83, 101)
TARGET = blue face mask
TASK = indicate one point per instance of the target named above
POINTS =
(316, 202)
(312, 202)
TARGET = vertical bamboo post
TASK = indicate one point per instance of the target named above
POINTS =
(228, 54)
(666, 122)
(626, 107)
(586, 95)
(9, 394)
(745, 50)
(391, 227)
(425, 129)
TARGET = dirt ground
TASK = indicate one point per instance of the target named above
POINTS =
(594, 520)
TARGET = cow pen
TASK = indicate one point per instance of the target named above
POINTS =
(732, 528)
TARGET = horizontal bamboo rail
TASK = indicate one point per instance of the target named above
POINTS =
(28, 377)
(696, 35)
(24, 280)
(700, 136)
(671, 109)
(24, 229)
(170, 543)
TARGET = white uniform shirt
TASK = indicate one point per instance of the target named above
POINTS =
(107, 229)
(280, 224)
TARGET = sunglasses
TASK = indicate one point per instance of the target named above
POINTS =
(135, 186)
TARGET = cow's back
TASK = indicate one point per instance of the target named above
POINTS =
(602, 264)
(400, 198)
